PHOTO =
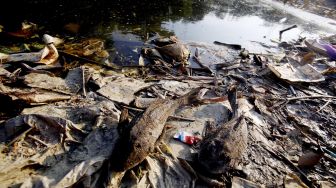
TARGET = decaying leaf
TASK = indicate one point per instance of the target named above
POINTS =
(82, 171)
(70, 85)
(52, 130)
(122, 89)
(88, 48)
(167, 172)
(32, 95)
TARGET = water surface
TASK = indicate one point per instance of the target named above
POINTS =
(126, 24)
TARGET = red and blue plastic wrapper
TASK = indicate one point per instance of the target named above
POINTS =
(187, 138)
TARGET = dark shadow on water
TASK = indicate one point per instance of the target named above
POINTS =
(140, 17)
(126, 24)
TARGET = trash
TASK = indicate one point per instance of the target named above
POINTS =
(283, 20)
(244, 53)
(287, 71)
(167, 172)
(322, 47)
(48, 55)
(187, 138)
(81, 173)
(284, 30)
(88, 117)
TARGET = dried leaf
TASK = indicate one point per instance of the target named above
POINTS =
(122, 89)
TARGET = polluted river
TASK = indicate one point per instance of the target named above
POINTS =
(175, 93)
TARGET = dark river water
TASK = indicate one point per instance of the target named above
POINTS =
(127, 23)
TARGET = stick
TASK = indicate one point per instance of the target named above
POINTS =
(83, 78)
(87, 60)
(213, 100)
(182, 118)
(325, 105)
(293, 90)
(311, 97)
(38, 140)
(21, 136)
(287, 29)
(37, 71)
(131, 108)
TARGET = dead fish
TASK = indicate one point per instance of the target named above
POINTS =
(223, 146)
(134, 147)
(176, 51)
(165, 41)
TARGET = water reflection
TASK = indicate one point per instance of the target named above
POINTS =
(198, 20)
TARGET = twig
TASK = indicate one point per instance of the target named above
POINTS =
(132, 108)
(284, 30)
(21, 136)
(182, 118)
(202, 79)
(325, 105)
(37, 71)
(292, 90)
(87, 60)
(38, 140)
(311, 97)
(83, 78)
(213, 100)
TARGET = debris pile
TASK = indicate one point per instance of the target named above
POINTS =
(195, 115)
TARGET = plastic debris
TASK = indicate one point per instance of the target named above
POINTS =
(305, 73)
(187, 138)
(48, 55)
(322, 47)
